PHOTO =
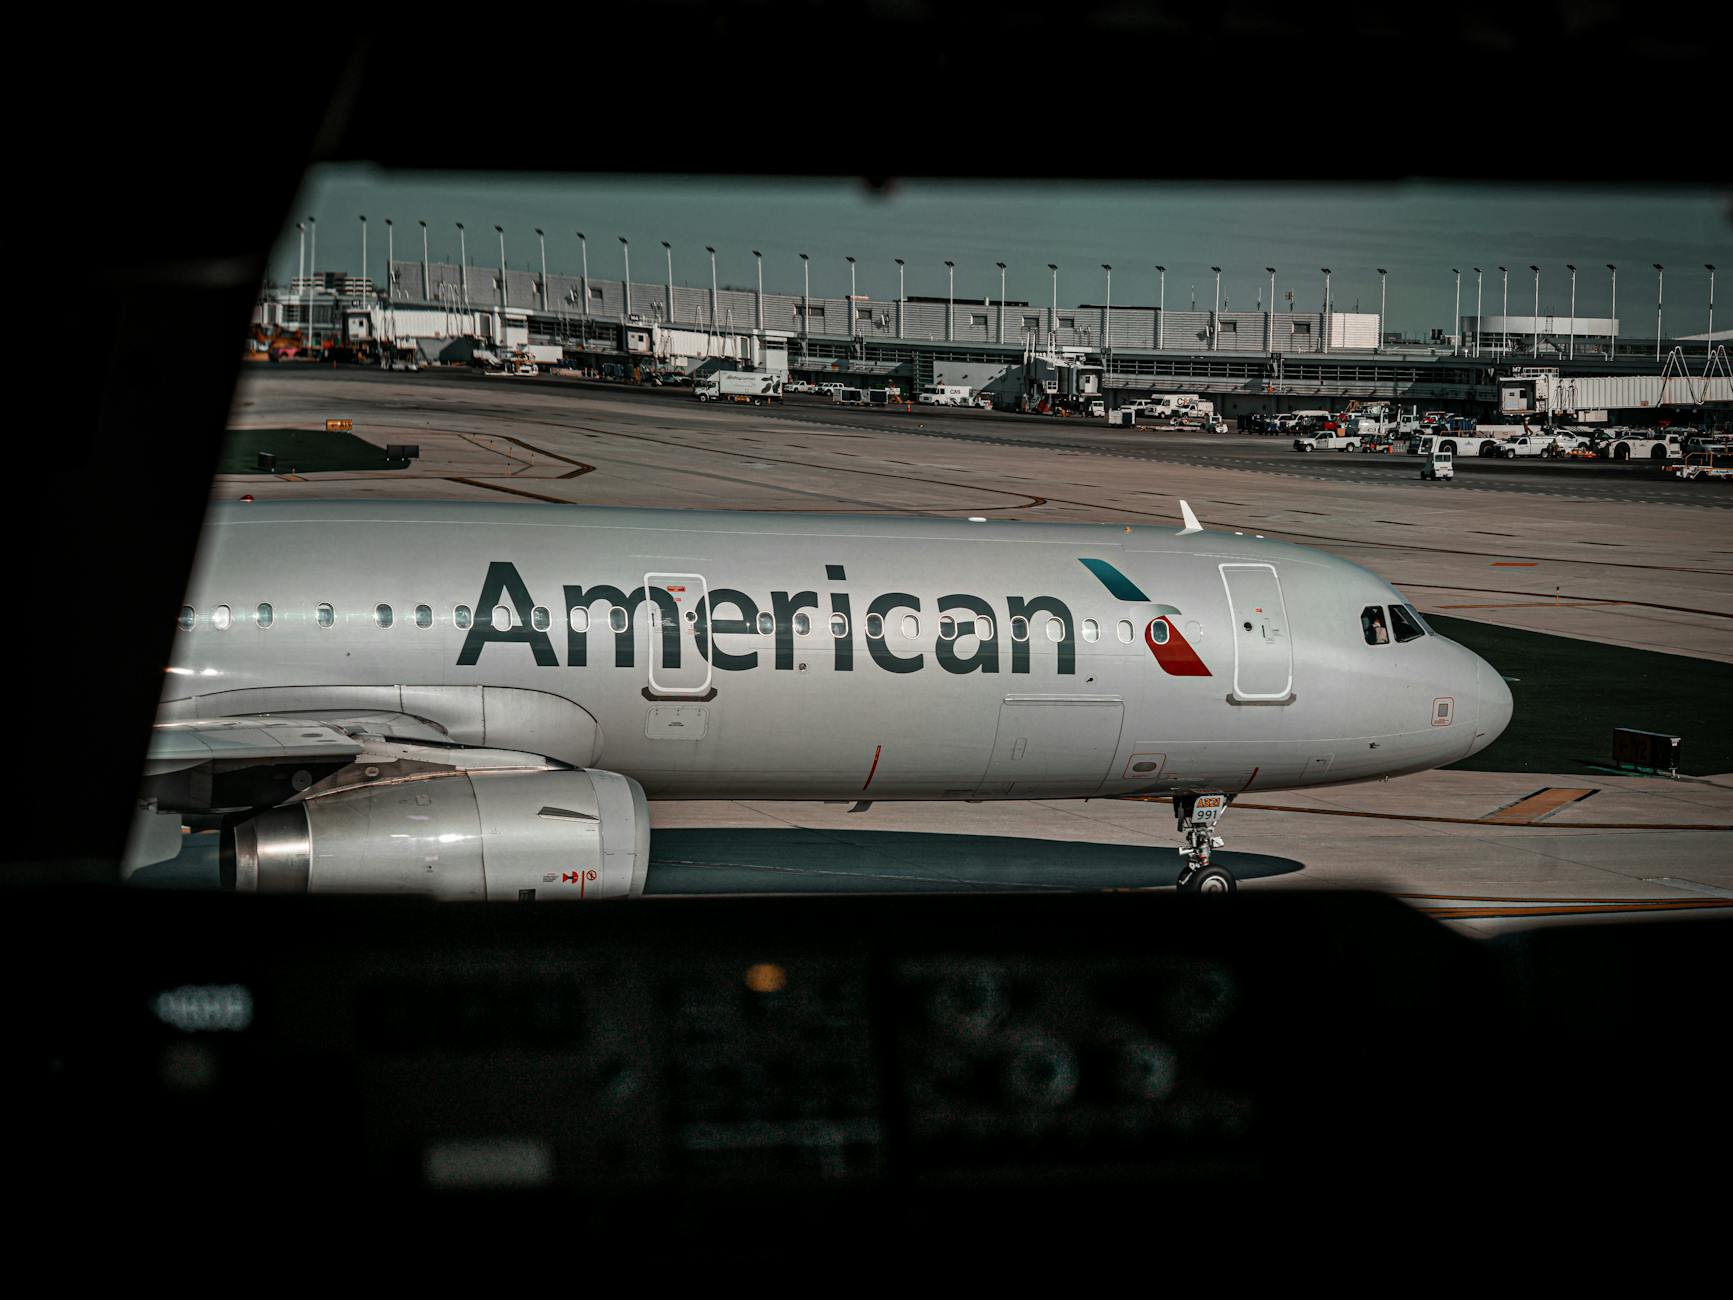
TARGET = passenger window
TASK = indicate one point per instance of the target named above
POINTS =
(616, 618)
(579, 619)
(325, 616)
(1124, 632)
(875, 626)
(802, 624)
(424, 616)
(947, 628)
(984, 628)
(1372, 625)
(539, 619)
(266, 617)
(186, 619)
(1403, 624)
(382, 615)
(766, 623)
(460, 616)
(501, 616)
(911, 627)
(1055, 629)
(1091, 630)
(1019, 628)
(839, 625)
(220, 617)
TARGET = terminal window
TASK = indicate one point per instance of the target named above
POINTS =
(1031, 322)
(1302, 327)
(977, 318)
(1230, 327)
(1068, 322)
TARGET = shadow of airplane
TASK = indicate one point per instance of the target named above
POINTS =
(805, 861)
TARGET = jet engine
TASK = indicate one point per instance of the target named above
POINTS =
(514, 835)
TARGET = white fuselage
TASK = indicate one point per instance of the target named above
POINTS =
(967, 661)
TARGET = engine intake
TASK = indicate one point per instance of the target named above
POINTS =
(469, 835)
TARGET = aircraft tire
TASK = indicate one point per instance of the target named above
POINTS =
(1210, 880)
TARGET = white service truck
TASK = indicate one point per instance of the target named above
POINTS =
(1332, 441)
(755, 386)
(946, 395)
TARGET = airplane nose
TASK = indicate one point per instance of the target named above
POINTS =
(1493, 705)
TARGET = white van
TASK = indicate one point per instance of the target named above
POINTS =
(1438, 466)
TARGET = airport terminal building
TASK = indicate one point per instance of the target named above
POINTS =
(1247, 361)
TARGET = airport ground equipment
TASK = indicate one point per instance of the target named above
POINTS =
(1646, 751)
(1705, 467)
(1438, 466)
(1328, 442)
(753, 386)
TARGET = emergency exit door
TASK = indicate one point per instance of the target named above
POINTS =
(1263, 653)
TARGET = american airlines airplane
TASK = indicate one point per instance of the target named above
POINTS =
(476, 700)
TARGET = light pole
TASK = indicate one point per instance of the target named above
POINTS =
(426, 283)
(898, 295)
(1456, 320)
(542, 239)
(390, 254)
(805, 303)
(1383, 280)
(950, 300)
(504, 293)
(364, 247)
(1326, 340)
(584, 276)
(1477, 311)
(1571, 346)
(758, 260)
(1107, 321)
(1053, 318)
(1536, 271)
(1709, 345)
(626, 252)
(1504, 337)
(1215, 329)
(312, 269)
(463, 262)
(1001, 267)
(668, 249)
(853, 311)
(713, 294)
(1613, 320)
(301, 279)
(1660, 283)
(1160, 308)
(1271, 315)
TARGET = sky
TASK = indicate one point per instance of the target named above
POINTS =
(1418, 231)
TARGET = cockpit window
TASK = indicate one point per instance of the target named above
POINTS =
(1373, 626)
(1406, 625)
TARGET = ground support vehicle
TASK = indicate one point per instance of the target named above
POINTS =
(1455, 444)
(755, 386)
(1703, 466)
(945, 395)
(1439, 465)
(1637, 446)
(1328, 442)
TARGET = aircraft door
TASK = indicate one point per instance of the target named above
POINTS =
(673, 624)
(1053, 746)
(1263, 654)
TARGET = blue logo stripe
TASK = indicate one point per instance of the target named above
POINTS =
(1120, 586)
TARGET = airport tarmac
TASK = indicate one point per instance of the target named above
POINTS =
(1615, 555)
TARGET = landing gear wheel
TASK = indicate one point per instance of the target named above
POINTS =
(1208, 880)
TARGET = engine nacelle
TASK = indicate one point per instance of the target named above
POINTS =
(468, 835)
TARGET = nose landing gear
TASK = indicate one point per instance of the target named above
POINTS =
(1196, 816)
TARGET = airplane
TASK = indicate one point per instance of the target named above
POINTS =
(474, 700)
